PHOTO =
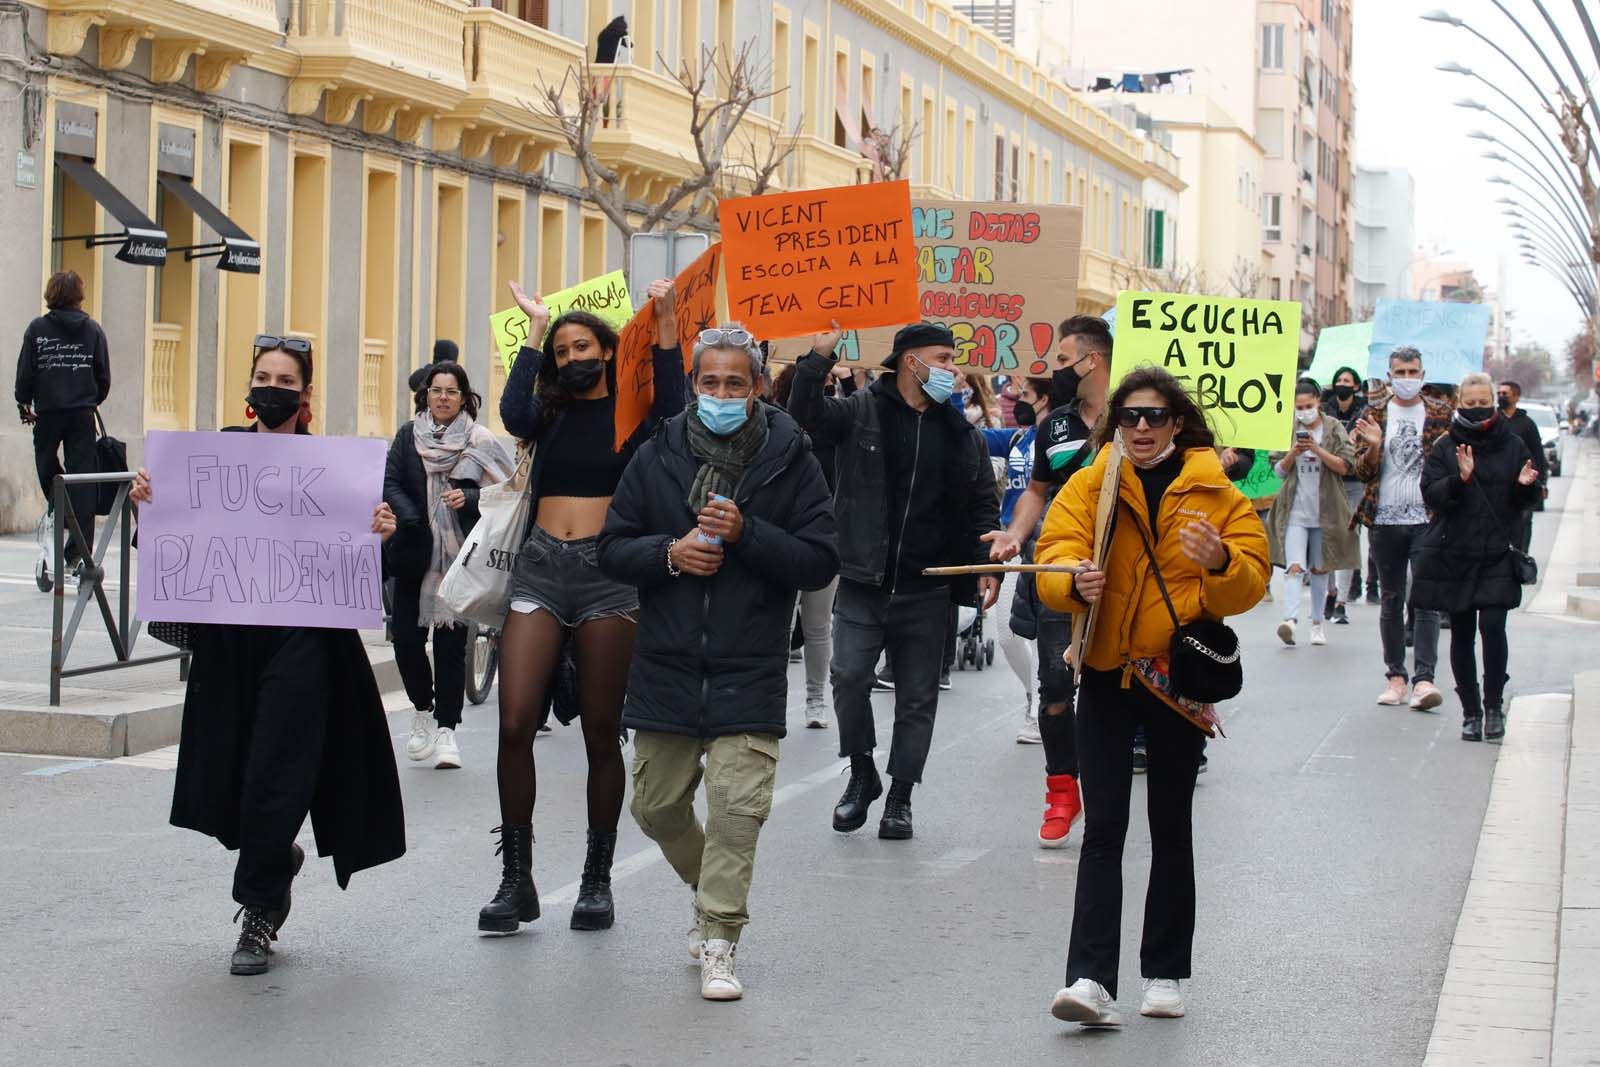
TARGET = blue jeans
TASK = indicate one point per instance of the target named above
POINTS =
(1302, 546)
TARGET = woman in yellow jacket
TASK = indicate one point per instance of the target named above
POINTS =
(1212, 552)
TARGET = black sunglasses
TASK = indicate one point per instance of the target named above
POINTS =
(1155, 418)
(265, 342)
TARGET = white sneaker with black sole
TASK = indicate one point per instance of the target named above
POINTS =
(1286, 632)
(447, 754)
(1029, 734)
(717, 978)
(816, 714)
(1318, 635)
(419, 746)
(1086, 1003)
(1162, 999)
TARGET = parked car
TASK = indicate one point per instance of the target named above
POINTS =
(1544, 417)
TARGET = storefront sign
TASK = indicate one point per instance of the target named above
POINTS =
(240, 256)
(144, 248)
(76, 128)
(175, 150)
(27, 170)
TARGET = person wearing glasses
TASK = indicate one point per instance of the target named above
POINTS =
(284, 721)
(719, 521)
(915, 490)
(561, 398)
(437, 463)
(1203, 535)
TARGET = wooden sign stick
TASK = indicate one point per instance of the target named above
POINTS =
(1006, 568)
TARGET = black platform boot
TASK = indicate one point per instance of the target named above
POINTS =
(516, 901)
(253, 950)
(595, 909)
(865, 787)
(1471, 713)
(896, 822)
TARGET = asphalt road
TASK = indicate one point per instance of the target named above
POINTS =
(1334, 839)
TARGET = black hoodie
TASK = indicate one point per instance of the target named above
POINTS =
(64, 364)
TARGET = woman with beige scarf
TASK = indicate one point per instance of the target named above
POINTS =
(436, 466)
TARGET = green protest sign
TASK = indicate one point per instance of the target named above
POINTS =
(1341, 346)
(1238, 358)
(606, 297)
(1263, 482)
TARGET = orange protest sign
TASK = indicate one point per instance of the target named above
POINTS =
(797, 262)
(695, 290)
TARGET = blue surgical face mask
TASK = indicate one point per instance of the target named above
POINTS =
(723, 417)
(940, 384)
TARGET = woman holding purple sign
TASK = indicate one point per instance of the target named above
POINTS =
(284, 721)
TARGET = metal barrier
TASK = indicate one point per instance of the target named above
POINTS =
(123, 630)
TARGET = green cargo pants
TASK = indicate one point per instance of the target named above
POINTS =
(716, 861)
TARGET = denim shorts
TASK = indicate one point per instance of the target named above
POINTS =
(564, 578)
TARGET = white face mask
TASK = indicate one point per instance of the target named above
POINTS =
(1305, 416)
(1406, 388)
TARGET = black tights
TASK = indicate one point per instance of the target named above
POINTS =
(529, 651)
(1465, 628)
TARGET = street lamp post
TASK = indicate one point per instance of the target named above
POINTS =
(1538, 159)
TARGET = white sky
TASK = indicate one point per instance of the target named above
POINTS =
(1405, 116)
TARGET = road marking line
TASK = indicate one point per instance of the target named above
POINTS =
(65, 768)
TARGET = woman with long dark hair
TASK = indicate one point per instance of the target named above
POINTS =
(281, 721)
(1176, 512)
(561, 397)
(1478, 481)
(437, 463)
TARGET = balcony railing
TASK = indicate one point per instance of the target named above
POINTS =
(396, 56)
(509, 65)
(166, 349)
(370, 420)
(816, 164)
(645, 122)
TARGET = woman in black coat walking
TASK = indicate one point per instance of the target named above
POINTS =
(1477, 482)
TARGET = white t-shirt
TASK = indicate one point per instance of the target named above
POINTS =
(1400, 490)
(1307, 510)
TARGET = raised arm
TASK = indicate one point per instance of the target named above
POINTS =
(519, 404)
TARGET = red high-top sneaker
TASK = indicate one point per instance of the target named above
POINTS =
(1062, 805)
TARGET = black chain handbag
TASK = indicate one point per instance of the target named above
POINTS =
(1524, 568)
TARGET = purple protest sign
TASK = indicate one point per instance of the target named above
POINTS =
(261, 529)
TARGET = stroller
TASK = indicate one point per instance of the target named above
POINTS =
(973, 649)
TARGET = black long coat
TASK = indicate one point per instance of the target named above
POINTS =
(711, 656)
(1463, 560)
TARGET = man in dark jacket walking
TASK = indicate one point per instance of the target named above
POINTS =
(1521, 425)
(719, 520)
(915, 490)
(63, 375)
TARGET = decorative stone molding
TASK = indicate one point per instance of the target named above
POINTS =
(342, 104)
(169, 59)
(305, 95)
(447, 134)
(69, 33)
(408, 124)
(118, 44)
(379, 115)
(532, 158)
(508, 149)
(475, 141)
(211, 70)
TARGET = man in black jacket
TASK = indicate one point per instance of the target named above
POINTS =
(63, 375)
(1521, 425)
(718, 520)
(915, 490)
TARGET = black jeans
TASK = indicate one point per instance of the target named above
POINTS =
(76, 431)
(1465, 628)
(444, 687)
(1391, 548)
(1057, 725)
(1107, 716)
(911, 628)
(281, 768)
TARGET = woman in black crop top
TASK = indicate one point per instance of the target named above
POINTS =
(561, 398)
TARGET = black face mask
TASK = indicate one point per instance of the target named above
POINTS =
(1476, 417)
(1344, 392)
(1504, 402)
(1064, 386)
(274, 406)
(1024, 413)
(580, 375)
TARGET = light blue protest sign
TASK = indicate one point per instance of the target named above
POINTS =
(1450, 337)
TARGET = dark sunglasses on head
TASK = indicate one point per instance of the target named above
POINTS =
(266, 341)
(1155, 418)
(717, 338)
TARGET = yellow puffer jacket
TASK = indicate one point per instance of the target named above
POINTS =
(1133, 622)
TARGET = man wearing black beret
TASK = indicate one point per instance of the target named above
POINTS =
(915, 490)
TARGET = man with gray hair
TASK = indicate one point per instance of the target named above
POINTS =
(719, 521)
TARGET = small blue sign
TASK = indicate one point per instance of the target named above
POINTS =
(1450, 337)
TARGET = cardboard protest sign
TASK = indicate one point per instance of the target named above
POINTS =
(700, 306)
(1341, 346)
(606, 297)
(797, 262)
(1238, 358)
(261, 529)
(1261, 485)
(999, 275)
(1449, 336)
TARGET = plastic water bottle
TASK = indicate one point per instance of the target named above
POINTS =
(711, 539)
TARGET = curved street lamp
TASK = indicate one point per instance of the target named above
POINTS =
(1539, 179)
(1475, 105)
(1545, 214)
(1533, 225)
(1561, 170)
(1532, 198)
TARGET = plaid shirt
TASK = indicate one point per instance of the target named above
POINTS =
(1369, 458)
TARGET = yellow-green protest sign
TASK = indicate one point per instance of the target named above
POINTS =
(1238, 358)
(606, 297)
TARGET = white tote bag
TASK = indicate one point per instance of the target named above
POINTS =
(478, 584)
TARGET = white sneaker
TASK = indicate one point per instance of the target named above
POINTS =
(717, 979)
(816, 714)
(1318, 636)
(449, 756)
(1286, 632)
(1029, 734)
(1162, 1000)
(419, 746)
(1086, 1002)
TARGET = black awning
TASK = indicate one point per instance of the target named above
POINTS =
(238, 250)
(143, 242)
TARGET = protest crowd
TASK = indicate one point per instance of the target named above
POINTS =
(697, 495)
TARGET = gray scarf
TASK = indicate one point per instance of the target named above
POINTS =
(464, 451)
(722, 459)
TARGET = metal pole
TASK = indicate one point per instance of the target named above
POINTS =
(1554, 73)
(1560, 166)
(1560, 241)
(1525, 114)
(58, 601)
(1537, 177)
(1537, 89)
(1500, 179)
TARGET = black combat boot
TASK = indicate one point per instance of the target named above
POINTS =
(516, 901)
(896, 822)
(595, 909)
(250, 955)
(865, 787)
(279, 915)
(1471, 713)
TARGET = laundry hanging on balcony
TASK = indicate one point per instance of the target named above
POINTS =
(143, 243)
(237, 250)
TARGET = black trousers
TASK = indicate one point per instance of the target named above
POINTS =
(1057, 727)
(1107, 717)
(281, 768)
(443, 687)
(72, 432)
(912, 628)
(1465, 629)
(1392, 546)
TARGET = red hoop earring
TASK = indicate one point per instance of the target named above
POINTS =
(249, 412)
(305, 414)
